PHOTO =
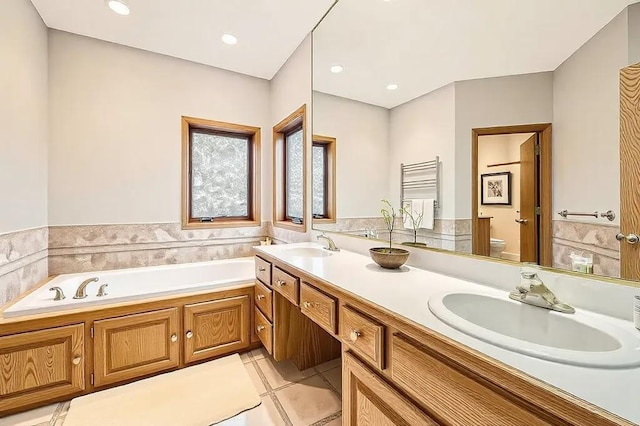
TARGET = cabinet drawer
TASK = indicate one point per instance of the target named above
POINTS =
(264, 300)
(364, 335)
(41, 365)
(319, 307)
(264, 330)
(450, 393)
(287, 285)
(263, 271)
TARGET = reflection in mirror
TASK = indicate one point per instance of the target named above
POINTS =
(524, 128)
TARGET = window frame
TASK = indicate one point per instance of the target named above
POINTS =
(295, 121)
(329, 145)
(191, 124)
(285, 135)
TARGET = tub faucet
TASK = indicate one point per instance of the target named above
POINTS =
(81, 293)
(332, 245)
(102, 291)
(532, 291)
(59, 294)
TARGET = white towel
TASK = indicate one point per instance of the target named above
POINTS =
(407, 205)
(416, 209)
(428, 212)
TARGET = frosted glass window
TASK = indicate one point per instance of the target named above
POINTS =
(319, 180)
(294, 172)
(220, 171)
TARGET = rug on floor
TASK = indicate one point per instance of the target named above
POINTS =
(200, 395)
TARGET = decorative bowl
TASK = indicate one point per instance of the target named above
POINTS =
(389, 258)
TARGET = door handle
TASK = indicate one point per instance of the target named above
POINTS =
(630, 238)
(521, 221)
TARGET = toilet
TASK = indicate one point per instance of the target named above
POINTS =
(497, 247)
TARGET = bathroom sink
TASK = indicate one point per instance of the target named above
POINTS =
(579, 339)
(306, 252)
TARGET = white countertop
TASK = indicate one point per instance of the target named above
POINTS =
(406, 293)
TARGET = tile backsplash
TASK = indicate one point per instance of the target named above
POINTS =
(23, 261)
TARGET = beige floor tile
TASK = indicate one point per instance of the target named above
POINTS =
(335, 378)
(329, 365)
(255, 378)
(31, 417)
(282, 373)
(266, 414)
(308, 401)
(65, 408)
(259, 353)
(245, 357)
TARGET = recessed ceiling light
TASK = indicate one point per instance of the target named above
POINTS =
(118, 6)
(392, 86)
(336, 69)
(229, 39)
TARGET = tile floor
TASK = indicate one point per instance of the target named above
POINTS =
(289, 397)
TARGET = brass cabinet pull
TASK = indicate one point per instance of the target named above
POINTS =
(630, 238)
(260, 297)
(76, 360)
(189, 334)
(521, 221)
(354, 335)
(174, 338)
(280, 283)
(308, 304)
(260, 328)
(261, 269)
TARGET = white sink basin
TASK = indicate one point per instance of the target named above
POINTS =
(577, 339)
(306, 252)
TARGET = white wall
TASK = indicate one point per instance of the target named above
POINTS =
(420, 130)
(115, 147)
(362, 151)
(290, 89)
(23, 117)
(500, 101)
(586, 131)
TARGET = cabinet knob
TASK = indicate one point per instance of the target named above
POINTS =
(307, 304)
(630, 238)
(354, 335)
(174, 338)
(280, 283)
(189, 334)
(260, 297)
(259, 328)
(76, 360)
(261, 269)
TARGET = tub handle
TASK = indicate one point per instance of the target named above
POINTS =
(76, 360)
(174, 338)
(189, 334)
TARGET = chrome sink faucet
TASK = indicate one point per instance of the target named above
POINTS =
(532, 291)
(81, 293)
(332, 245)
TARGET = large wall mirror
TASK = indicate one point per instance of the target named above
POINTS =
(501, 136)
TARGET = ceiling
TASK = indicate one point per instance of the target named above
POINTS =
(422, 45)
(268, 31)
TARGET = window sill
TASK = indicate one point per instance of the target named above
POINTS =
(287, 224)
(217, 224)
(324, 220)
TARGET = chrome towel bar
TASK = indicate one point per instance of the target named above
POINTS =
(609, 214)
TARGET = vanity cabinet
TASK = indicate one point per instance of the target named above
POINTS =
(41, 365)
(216, 327)
(135, 345)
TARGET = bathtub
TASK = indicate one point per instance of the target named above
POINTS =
(135, 284)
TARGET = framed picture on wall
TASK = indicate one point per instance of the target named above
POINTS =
(496, 189)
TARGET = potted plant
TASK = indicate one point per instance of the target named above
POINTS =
(389, 257)
(416, 221)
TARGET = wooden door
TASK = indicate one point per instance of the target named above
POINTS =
(135, 345)
(630, 170)
(41, 365)
(216, 328)
(528, 201)
(367, 400)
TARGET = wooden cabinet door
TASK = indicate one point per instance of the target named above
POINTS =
(367, 400)
(216, 328)
(41, 365)
(135, 345)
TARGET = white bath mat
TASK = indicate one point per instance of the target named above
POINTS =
(201, 395)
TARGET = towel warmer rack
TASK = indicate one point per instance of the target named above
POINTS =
(420, 176)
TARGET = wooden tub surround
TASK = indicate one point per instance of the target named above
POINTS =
(394, 370)
(58, 356)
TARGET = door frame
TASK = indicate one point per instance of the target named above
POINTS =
(545, 256)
